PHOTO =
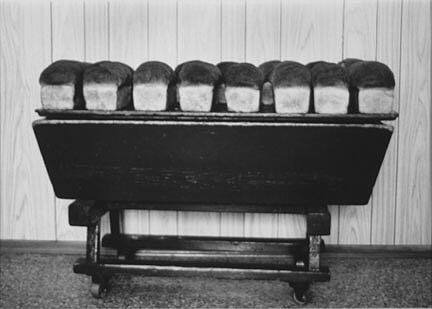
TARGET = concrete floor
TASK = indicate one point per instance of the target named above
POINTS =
(47, 281)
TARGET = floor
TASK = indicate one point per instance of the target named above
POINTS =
(47, 281)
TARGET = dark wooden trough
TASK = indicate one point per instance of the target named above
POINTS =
(109, 161)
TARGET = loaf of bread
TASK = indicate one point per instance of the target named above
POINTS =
(243, 85)
(291, 87)
(374, 84)
(267, 97)
(150, 86)
(107, 86)
(196, 81)
(220, 92)
(61, 85)
(330, 88)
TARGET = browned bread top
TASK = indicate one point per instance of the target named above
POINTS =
(290, 73)
(198, 72)
(153, 72)
(108, 72)
(310, 65)
(244, 75)
(368, 74)
(328, 74)
(347, 62)
(267, 67)
(224, 65)
(63, 72)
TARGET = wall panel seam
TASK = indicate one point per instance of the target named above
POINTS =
(397, 121)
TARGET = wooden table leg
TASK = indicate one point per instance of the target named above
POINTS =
(114, 222)
(93, 243)
(314, 252)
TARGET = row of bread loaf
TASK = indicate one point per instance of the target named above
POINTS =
(289, 87)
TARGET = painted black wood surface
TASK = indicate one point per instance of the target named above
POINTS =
(214, 116)
(212, 162)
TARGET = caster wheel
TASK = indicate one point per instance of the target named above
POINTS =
(299, 298)
(98, 290)
(299, 292)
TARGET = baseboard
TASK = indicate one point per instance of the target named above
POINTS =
(43, 247)
(331, 251)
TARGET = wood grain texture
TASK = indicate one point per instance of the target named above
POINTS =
(96, 38)
(128, 32)
(233, 32)
(199, 37)
(261, 225)
(162, 41)
(413, 212)
(263, 30)
(128, 43)
(384, 195)
(26, 196)
(311, 30)
(163, 31)
(199, 30)
(233, 48)
(359, 42)
(199, 223)
(96, 30)
(232, 224)
(67, 22)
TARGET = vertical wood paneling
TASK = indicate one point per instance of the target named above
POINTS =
(67, 43)
(310, 30)
(240, 30)
(359, 42)
(233, 48)
(26, 198)
(199, 30)
(128, 32)
(163, 31)
(128, 43)
(263, 30)
(163, 47)
(96, 30)
(233, 31)
(199, 37)
(413, 212)
(384, 194)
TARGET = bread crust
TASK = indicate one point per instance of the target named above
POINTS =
(63, 72)
(290, 74)
(106, 73)
(58, 75)
(267, 67)
(370, 74)
(244, 75)
(109, 72)
(328, 74)
(310, 65)
(224, 65)
(347, 62)
(153, 72)
(198, 72)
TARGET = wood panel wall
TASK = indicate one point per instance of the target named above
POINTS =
(35, 33)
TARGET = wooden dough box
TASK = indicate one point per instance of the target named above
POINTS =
(256, 162)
